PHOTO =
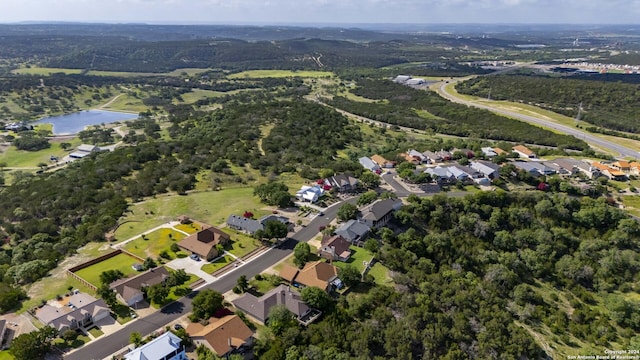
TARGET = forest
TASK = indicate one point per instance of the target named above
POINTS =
(401, 105)
(611, 105)
(474, 274)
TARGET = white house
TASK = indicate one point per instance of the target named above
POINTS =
(309, 193)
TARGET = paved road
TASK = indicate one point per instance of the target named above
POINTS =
(589, 138)
(105, 346)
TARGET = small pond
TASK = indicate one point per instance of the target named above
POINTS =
(75, 122)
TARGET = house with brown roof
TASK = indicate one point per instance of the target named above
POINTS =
(204, 242)
(378, 159)
(610, 172)
(259, 307)
(129, 290)
(223, 335)
(499, 151)
(78, 310)
(335, 248)
(524, 151)
(318, 273)
(621, 165)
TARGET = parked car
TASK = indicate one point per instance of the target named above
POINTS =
(194, 257)
(321, 213)
(178, 326)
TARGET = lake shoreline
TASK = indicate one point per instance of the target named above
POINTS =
(73, 123)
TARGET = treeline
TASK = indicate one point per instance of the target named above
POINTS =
(611, 105)
(405, 106)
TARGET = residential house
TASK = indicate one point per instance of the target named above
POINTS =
(440, 174)
(408, 158)
(380, 212)
(534, 168)
(335, 248)
(318, 273)
(401, 79)
(354, 231)
(487, 168)
(129, 290)
(473, 173)
(635, 168)
(310, 193)
(575, 166)
(84, 150)
(204, 243)
(222, 335)
(444, 155)
(433, 157)
(78, 310)
(384, 163)
(259, 308)
(370, 165)
(342, 183)
(499, 151)
(241, 223)
(524, 151)
(459, 174)
(3, 330)
(622, 165)
(609, 172)
(489, 152)
(165, 347)
(421, 159)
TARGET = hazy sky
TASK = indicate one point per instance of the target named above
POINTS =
(324, 11)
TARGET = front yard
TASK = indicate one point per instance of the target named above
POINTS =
(217, 265)
(241, 243)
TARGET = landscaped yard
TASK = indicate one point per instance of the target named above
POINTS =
(96, 332)
(211, 207)
(268, 282)
(6, 355)
(152, 244)
(217, 265)
(22, 158)
(178, 291)
(79, 341)
(241, 244)
(190, 228)
(120, 262)
(358, 256)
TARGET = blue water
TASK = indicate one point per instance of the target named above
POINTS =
(74, 123)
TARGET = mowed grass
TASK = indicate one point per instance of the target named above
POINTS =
(190, 228)
(241, 244)
(120, 262)
(30, 159)
(6, 355)
(211, 207)
(152, 244)
(127, 103)
(217, 265)
(358, 256)
(279, 74)
(631, 204)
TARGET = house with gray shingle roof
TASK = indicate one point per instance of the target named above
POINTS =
(242, 223)
(259, 307)
(380, 212)
(354, 231)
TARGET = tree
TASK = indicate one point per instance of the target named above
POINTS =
(175, 248)
(108, 295)
(135, 338)
(369, 180)
(316, 297)
(149, 263)
(367, 198)
(65, 145)
(274, 229)
(350, 275)
(301, 254)
(347, 212)
(242, 283)
(205, 304)
(158, 293)
(279, 319)
(109, 276)
(273, 193)
(204, 353)
(33, 345)
(69, 335)
(372, 245)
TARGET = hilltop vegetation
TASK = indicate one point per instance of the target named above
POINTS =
(612, 105)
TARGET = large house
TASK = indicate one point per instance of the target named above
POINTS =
(259, 308)
(380, 212)
(310, 193)
(204, 243)
(129, 290)
(222, 335)
(78, 310)
(241, 223)
(84, 150)
(378, 159)
(610, 172)
(342, 183)
(370, 165)
(319, 274)
(487, 168)
(165, 347)
(524, 151)
(354, 231)
(335, 248)
(432, 157)
(535, 169)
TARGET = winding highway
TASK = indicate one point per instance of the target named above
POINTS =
(107, 345)
(587, 137)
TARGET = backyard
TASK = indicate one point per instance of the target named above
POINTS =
(152, 244)
(358, 257)
(122, 262)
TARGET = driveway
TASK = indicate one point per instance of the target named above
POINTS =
(192, 267)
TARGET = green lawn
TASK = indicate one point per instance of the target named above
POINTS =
(279, 74)
(45, 71)
(217, 265)
(96, 332)
(6, 355)
(241, 243)
(212, 207)
(190, 228)
(22, 158)
(178, 291)
(197, 94)
(79, 341)
(120, 262)
(358, 256)
(261, 287)
(154, 243)
(127, 103)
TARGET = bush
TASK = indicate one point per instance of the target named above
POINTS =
(236, 290)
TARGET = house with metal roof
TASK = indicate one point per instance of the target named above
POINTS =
(310, 193)
(165, 347)
(489, 152)
(241, 223)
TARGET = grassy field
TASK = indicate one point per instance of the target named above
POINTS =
(190, 228)
(358, 256)
(279, 74)
(6, 355)
(154, 243)
(631, 204)
(212, 207)
(120, 262)
(241, 244)
(45, 71)
(217, 265)
(30, 159)
(267, 283)
(127, 103)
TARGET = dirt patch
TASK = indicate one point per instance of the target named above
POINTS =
(18, 324)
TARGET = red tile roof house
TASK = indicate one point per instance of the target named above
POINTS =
(204, 242)
(335, 248)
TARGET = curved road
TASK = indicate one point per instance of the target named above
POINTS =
(589, 138)
(107, 345)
